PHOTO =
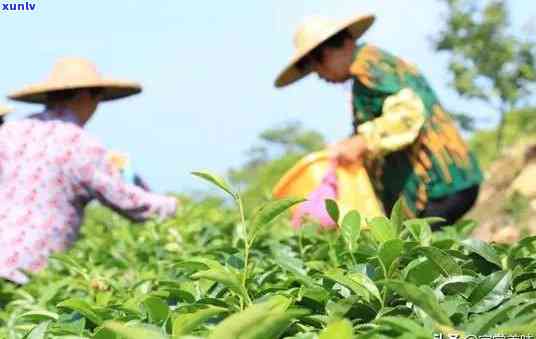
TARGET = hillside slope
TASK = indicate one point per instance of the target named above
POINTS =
(506, 208)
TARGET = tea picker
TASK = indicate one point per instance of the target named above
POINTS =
(52, 168)
(409, 145)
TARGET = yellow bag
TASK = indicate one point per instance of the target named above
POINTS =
(355, 191)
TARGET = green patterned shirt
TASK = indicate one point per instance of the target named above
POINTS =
(438, 163)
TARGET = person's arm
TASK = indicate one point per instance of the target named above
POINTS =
(91, 171)
(124, 164)
(378, 73)
(138, 181)
(399, 125)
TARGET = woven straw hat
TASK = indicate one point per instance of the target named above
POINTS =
(76, 73)
(314, 32)
(4, 110)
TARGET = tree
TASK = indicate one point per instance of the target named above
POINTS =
(488, 62)
(279, 149)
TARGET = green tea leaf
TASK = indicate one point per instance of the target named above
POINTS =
(69, 263)
(456, 284)
(216, 180)
(389, 252)
(483, 249)
(382, 229)
(523, 277)
(38, 316)
(333, 210)
(465, 227)
(421, 271)
(481, 324)
(186, 323)
(39, 331)
(285, 258)
(444, 244)
(523, 299)
(338, 276)
(133, 332)
(191, 266)
(104, 333)
(268, 212)
(226, 277)
(425, 301)
(404, 325)
(524, 244)
(441, 260)
(490, 292)
(341, 329)
(420, 230)
(258, 317)
(433, 220)
(527, 243)
(527, 330)
(157, 309)
(350, 229)
(273, 326)
(398, 216)
(208, 263)
(367, 283)
(82, 307)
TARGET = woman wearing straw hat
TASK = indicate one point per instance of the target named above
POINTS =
(51, 168)
(408, 143)
(72, 93)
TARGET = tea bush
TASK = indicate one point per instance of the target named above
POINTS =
(210, 272)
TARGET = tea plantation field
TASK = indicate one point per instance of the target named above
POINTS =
(214, 272)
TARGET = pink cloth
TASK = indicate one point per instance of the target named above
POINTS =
(50, 168)
(315, 206)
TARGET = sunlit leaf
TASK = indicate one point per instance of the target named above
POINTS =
(425, 301)
(216, 180)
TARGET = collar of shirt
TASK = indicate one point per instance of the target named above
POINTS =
(65, 115)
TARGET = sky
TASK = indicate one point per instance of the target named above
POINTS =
(207, 69)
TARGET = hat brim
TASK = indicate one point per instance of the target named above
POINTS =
(112, 90)
(355, 26)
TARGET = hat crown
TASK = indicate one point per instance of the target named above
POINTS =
(312, 33)
(74, 70)
(73, 73)
(313, 30)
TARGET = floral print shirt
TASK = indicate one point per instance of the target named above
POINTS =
(50, 168)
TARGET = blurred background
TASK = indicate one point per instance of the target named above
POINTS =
(208, 68)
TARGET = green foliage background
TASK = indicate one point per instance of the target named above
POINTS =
(187, 278)
(277, 150)
(519, 126)
(220, 271)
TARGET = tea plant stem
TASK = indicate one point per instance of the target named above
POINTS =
(385, 291)
(246, 248)
(353, 258)
(333, 254)
(300, 243)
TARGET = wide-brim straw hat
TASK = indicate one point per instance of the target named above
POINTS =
(5, 110)
(76, 73)
(313, 32)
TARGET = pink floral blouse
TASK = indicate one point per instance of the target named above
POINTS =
(50, 168)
